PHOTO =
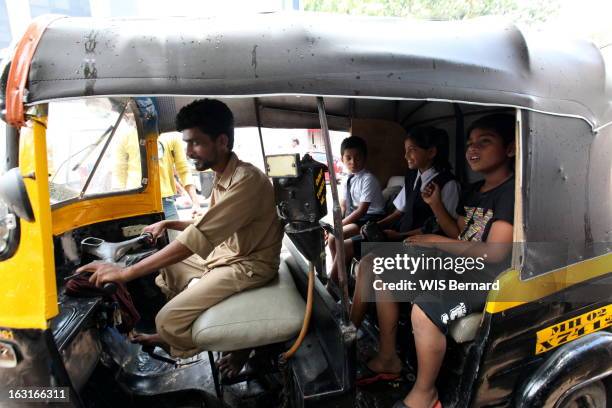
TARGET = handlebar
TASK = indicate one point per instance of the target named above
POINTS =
(109, 288)
(114, 251)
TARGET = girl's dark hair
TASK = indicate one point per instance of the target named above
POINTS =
(354, 142)
(427, 137)
(501, 123)
(211, 116)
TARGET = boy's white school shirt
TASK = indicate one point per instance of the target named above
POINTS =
(365, 188)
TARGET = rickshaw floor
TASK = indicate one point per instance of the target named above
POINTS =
(385, 393)
(143, 381)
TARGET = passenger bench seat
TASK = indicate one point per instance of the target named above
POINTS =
(465, 329)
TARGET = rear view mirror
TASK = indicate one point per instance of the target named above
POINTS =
(14, 194)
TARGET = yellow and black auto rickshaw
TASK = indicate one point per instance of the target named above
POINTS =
(74, 89)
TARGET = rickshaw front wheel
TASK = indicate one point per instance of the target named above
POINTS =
(590, 396)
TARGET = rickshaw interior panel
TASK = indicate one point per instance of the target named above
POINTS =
(560, 234)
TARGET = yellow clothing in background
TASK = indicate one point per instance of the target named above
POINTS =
(127, 173)
(171, 153)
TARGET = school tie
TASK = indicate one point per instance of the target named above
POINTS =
(347, 199)
(417, 187)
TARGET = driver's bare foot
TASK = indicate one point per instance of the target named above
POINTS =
(231, 364)
(151, 340)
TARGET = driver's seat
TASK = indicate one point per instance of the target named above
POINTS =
(266, 315)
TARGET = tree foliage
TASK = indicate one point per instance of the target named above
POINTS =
(530, 12)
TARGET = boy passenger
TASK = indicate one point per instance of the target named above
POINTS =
(363, 200)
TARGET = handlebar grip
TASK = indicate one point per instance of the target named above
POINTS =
(109, 288)
(146, 238)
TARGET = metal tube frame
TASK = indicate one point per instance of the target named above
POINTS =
(337, 215)
(258, 118)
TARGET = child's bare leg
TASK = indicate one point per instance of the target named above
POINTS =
(331, 243)
(386, 361)
(347, 232)
(430, 347)
(348, 255)
(363, 289)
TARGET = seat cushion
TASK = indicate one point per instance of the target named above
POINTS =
(266, 315)
(465, 329)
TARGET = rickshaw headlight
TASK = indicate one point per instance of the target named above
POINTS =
(7, 224)
(8, 355)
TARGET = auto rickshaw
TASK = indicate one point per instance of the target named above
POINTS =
(74, 88)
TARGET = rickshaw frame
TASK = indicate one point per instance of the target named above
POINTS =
(336, 62)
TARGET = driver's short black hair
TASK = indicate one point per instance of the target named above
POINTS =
(211, 116)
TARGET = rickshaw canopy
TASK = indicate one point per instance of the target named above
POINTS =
(482, 61)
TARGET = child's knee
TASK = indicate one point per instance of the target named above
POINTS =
(366, 265)
(419, 318)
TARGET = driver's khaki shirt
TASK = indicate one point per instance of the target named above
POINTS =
(241, 228)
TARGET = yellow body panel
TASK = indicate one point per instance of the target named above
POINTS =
(29, 295)
(571, 329)
(515, 292)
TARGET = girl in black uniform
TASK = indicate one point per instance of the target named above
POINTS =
(427, 158)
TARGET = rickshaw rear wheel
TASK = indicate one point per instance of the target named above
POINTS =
(591, 396)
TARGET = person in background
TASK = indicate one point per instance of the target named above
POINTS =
(171, 153)
(172, 159)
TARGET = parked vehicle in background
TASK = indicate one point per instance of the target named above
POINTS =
(338, 166)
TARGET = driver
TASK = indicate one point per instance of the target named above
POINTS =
(233, 247)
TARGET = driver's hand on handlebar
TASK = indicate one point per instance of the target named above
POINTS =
(103, 272)
(156, 230)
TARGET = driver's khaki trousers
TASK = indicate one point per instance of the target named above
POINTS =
(186, 304)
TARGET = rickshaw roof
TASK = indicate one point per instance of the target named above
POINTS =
(482, 61)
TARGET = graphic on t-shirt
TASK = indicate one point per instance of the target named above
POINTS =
(456, 312)
(476, 220)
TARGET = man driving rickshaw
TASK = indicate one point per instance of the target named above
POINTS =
(235, 246)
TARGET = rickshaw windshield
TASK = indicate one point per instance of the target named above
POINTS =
(3, 156)
(7, 220)
(92, 148)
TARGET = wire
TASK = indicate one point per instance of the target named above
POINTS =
(307, 315)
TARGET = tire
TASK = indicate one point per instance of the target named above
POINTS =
(590, 396)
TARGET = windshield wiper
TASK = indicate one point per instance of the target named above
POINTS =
(91, 148)
(101, 155)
